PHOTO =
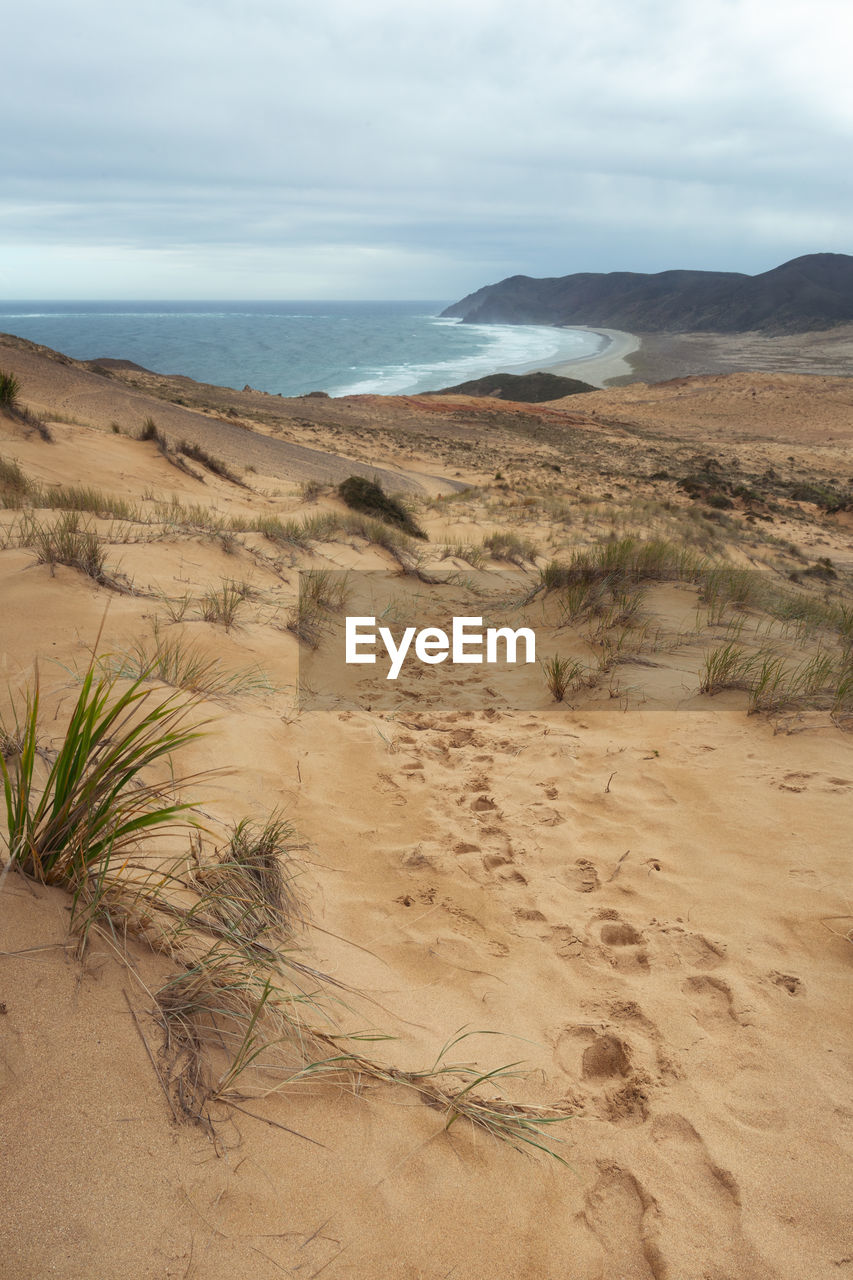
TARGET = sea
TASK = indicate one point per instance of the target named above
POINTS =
(291, 348)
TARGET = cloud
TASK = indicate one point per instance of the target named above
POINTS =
(341, 150)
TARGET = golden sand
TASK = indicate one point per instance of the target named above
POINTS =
(646, 898)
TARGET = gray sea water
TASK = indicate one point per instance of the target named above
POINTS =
(344, 348)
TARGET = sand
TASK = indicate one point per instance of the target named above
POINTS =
(655, 357)
(610, 363)
(642, 898)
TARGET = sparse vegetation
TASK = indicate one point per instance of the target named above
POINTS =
(322, 592)
(67, 541)
(208, 461)
(178, 662)
(243, 998)
(561, 674)
(505, 545)
(221, 604)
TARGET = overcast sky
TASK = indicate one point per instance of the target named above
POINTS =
(414, 148)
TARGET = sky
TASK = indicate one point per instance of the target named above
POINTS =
(344, 149)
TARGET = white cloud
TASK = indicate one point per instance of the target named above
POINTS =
(385, 146)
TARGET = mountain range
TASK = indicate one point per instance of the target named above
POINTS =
(811, 292)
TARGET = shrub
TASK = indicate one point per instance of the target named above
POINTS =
(369, 497)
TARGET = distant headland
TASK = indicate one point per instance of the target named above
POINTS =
(812, 292)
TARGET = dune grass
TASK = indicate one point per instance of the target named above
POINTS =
(10, 390)
(775, 682)
(67, 541)
(322, 593)
(213, 464)
(221, 604)
(93, 806)
(505, 545)
(470, 552)
(16, 488)
(244, 1013)
(562, 674)
(730, 666)
(176, 661)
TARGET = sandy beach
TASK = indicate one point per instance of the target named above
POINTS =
(617, 922)
(610, 363)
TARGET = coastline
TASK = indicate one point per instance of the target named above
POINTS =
(609, 363)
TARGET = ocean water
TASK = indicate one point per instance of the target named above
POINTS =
(344, 348)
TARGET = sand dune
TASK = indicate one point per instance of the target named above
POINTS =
(641, 894)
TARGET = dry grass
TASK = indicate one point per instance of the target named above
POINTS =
(69, 542)
(244, 1013)
(221, 604)
(175, 661)
(322, 593)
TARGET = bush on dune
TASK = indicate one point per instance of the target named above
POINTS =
(368, 496)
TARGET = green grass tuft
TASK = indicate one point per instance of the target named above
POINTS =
(562, 674)
(10, 389)
(92, 806)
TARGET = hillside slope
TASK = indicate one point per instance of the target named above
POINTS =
(811, 292)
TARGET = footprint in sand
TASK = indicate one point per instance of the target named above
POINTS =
(616, 933)
(712, 1000)
(616, 1090)
(694, 1188)
(694, 948)
(622, 1216)
(566, 943)
(606, 1058)
(469, 927)
(583, 877)
(623, 946)
(788, 981)
(794, 781)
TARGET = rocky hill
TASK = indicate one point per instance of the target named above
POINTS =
(811, 292)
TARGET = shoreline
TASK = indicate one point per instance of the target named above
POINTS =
(608, 363)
